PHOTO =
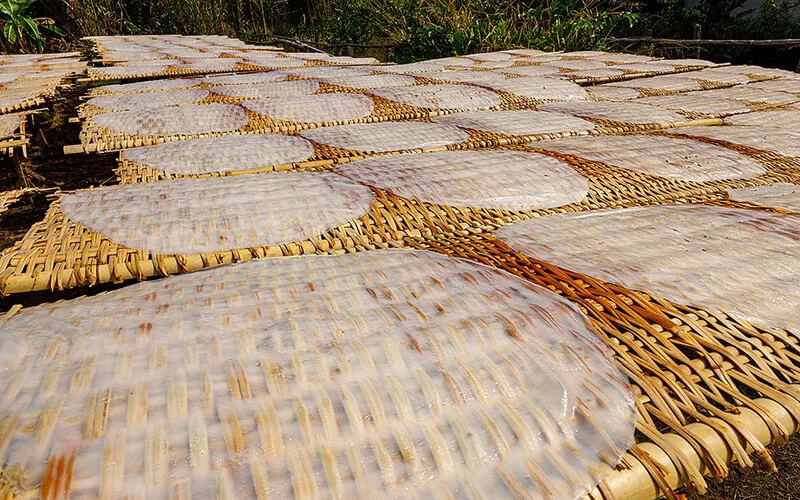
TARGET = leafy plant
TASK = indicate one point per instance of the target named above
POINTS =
(19, 27)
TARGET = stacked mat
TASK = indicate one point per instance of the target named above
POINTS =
(511, 286)
(130, 57)
(27, 79)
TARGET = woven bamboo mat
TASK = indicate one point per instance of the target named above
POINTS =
(8, 198)
(58, 253)
(688, 366)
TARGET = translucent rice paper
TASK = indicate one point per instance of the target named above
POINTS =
(9, 124)
(148, 86)
(148, 100)
(475, 77)
(612, 93)
(749, 94)
(413, 67)
(445, 96)
(516, 122)
(776, 140)
(621, 58)
(222, 154)
(781, 195)
(786, 119)
(790, 85)
(594, 73)
(673, 83)
(540, 70)
(505, 180)
(579, 65)
(697, 102)
(542, 88)
(323, 108)
(226, 64)
(490, 56)
(188, 216)
(689, 62)
(625, 112)
(265, 77)
(401, 373)
(266, 90)
(454, 62)
(371, 81)
(649, 67)
(745, 69)
(329, 71)
(130, 70)
(715, 76)
(668, 157)
(266, 61)
(745, 263)
(188, 120)
(387, 136)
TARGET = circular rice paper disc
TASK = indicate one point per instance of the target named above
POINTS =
(445, 96)
(221, 154)
(777, 140)
(737, 261)
(186, 120)
(148, 100)
(668, 157)
(385, 137)
(780, 195)
(322, 108)
(504, 180)
(190, 216)
(542, 88)
(402, 373)
(516, 122)
(625, 112)
(149, 86)
(266, 90)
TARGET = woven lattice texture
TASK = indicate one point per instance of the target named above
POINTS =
(713, 75)
(398, 372)
(668, 157)
(787, 119)
(546, 89)
(10, 124)
(412, 68)
(251, 78)
(612, 93)
(188, 216)
(221, 154)
(324, 108)
(541, 70)
(745, 263)
(149, 65)
(196, 65)
(790, 85)
(455, 62)
(757, 71)
(476, 77)
(649, 67)
(266, 90)
(697, 102)
(383, 137)
(594, 73)
(621, 58)
(497, 64)
(329, 71)
(516, 122)
(625, 112)
(749, 93)
(775, 140)
(506, 180)
(668, 83)
(579, 65)
(188, 120)
(490, 56)
(265, 61)
(371, 81)
(18, 92)
(147, 100)
(126, 71)
(781, 195)
(441, 96)
(148, 86)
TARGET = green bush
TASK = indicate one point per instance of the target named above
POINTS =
(22, 30)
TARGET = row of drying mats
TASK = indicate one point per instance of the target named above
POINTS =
(626, 232)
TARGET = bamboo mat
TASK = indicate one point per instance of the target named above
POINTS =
(8, 198)
(709, 385)
(58, 253)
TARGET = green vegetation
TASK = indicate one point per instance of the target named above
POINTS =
(21, 30)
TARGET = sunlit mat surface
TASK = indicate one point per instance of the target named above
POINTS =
(27, 80)
(711, 372)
